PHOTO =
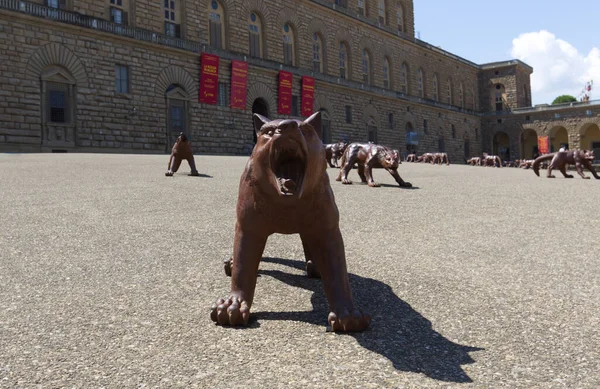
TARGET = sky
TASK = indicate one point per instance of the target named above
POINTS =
(559, 39)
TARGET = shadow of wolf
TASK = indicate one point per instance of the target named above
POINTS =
(398, 332)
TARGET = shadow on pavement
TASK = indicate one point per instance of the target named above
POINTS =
(396, 186)
(397, 331)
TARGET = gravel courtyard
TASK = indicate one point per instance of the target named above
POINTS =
(478, 277)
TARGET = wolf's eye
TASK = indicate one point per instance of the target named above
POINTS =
(269, 133)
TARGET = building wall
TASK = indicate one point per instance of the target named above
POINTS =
(515, 81)
(108, 121)
(137, 121)
(578, 125)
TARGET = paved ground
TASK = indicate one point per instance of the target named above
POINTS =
(478, 278)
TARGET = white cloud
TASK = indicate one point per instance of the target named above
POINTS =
(558, 67)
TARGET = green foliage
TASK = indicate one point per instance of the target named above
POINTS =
(564, 99)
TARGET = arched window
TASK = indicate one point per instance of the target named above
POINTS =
(404, 78)
(343, 61)
(441, 145)
(436, 94)
(381, 11)
(461, 95)
(449, 91)
(386, 72)
(325, 126)
(216, 23)
(372, 130)
(400, 19)
(58, 106)
(255, 35)
(420, 83)
(289, 57)
(317, 53)
(498, 96)
(366, 67)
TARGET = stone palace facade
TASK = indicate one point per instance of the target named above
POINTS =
(124, 76)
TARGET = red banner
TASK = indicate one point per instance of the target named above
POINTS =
(308, 95)
(239, 84)
(543, 146)
(285, 93)
(209, 78)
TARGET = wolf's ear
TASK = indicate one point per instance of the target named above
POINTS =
(315, 121)
(259, 121)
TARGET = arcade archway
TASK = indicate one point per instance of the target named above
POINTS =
(529, 144)
(501, 145)
(558, 138)
(590, 139)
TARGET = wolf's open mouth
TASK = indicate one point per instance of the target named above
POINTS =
(289, 167)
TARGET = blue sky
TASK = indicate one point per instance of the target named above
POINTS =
(563, 44)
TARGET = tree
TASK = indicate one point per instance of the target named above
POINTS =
(564, 99)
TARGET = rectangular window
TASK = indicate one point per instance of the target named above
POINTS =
(588, 112)
(223, 94)
(391, 120)
(118, 16)
(216, 38)
(295, 100)
(58, 4)
(348, 114)
(342, 3)
(425, 129)
(288, 54)
(316, 66)
(343, 73)
(177, 115)
(172, 30)
(365, 78)
(121, 79)
(176, 118)
(527, 118)
(58, 106)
